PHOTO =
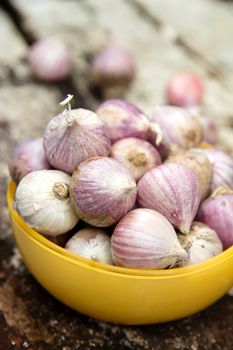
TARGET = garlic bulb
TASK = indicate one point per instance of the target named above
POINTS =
(123, 119)
(91, 243)
(179, 126)
(27, 157)
(216, 212)
(74, 136)
(50, 60)
(145, 239)
(112, 66)
(42, 199)
(201, 244)
(185, 89)
(102, 191)
(222, 167)
(198, 162)
(137, 155)
(174, 191)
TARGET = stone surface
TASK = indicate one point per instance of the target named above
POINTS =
(29, 317)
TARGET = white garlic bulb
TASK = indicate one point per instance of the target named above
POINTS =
(91, 243)
(42, 199)
(202, 243)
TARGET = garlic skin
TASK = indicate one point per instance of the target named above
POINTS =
(42, 200)
(137, 155)
(50, 60)
(210, 130)
(198, 162)
(222, 167)
(201, 244)
(185, 90)
(216, 212)
(102, 190)
(179, 126)
(74, 136)
(27, 157)
(123, 119)
(174, 191)
(91, 243)
(145, 239)
(112, 66)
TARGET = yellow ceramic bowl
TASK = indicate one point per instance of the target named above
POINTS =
(119, 295)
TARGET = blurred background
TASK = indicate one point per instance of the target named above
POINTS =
(153, 40)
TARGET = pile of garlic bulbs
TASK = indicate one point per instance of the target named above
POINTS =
(137, 191)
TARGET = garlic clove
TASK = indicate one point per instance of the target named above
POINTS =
(185, 90)
(202, 243)
(222, 166)
(74, 136)
(216, 212)
(27, 157)
(137, 155)
(42, 199)
(210, 130)
(91, 243)
(198, 162)
(179, 126)
(174, 191)
(102, 191)
(145, 239)
(123, 119)
(112, 66)
(50, 60)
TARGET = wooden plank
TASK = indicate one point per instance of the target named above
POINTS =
(207, 25)
(13, 51)
(203, 29)
(156, 54)
(24, 113)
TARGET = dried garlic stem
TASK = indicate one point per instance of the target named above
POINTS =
(137, 158)
(67, 111)
(61, 190)
(221, 190)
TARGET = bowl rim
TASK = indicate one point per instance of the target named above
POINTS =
(76, 259)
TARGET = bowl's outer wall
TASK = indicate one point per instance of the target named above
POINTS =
(119, 298)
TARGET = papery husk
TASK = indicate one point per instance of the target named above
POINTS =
(198, 162)
(202, 243)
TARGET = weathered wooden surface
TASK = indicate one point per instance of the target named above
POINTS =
(164, 37)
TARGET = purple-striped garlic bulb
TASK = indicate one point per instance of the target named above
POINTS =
(124, 119)
(198, 162)
(179, 126)
(222, 167)
(145, 239)
(174, 191)
(74, 136)
(50, 60)
(137, 155)
(27, 157)
(91, 243)
(102, 191)
(185, 89)
(202, 243)
(216, 212)
(112, 66)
